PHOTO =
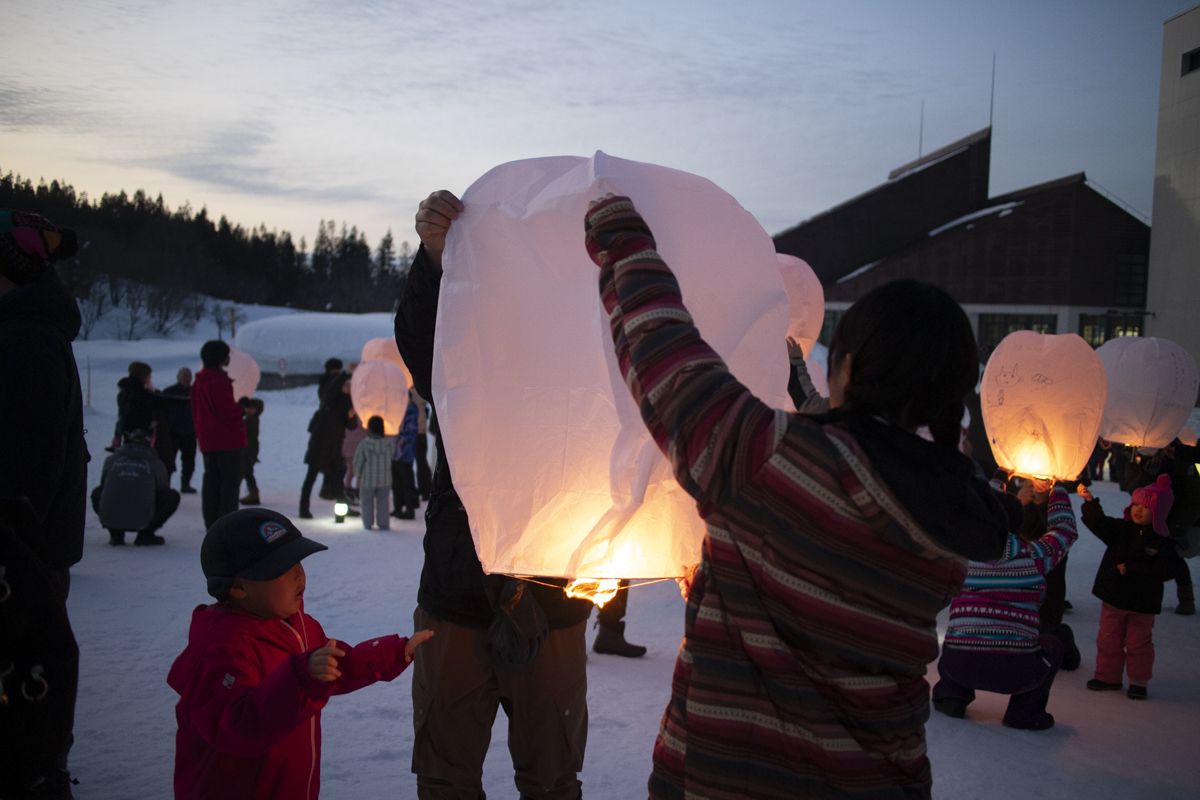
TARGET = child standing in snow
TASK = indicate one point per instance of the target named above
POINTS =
(252, 409)
(257, 670)
(373, 466)
(1140, 558)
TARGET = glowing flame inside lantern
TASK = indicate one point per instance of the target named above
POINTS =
(598, 590)
(1033, 460)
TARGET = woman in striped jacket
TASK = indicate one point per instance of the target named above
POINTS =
(833, 541)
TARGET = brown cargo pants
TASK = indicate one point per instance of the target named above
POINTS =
(455, 695)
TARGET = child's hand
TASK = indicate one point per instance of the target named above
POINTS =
(1084, 492)
(1121, 568)
(1025, 493)
(415, 641)
(322, 664)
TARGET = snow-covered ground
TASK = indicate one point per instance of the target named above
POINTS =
(130, 608)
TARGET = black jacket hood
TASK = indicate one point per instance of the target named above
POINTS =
(46, 300)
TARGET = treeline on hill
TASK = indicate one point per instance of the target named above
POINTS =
(153, 264)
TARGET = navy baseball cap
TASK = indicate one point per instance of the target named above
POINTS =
(253, 543)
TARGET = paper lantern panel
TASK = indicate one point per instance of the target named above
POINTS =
(806, 301)
(243, 371)
(1152, 385)
(1042, 398)
(548, 451)
(380, 388)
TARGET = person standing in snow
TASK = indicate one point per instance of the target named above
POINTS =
(257, 670)
(373, 465)
(183, 430)
(220, 433)
(404, 488)
(994, 641)
(832, 541)
(43, 477)
(535, 664)
(327, 431)
(1140, 556)
(252, 409)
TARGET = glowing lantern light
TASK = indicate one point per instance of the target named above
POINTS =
(1152, 386)
(380, 389)
(243, 371)
(548, 451)
(1042, 397)
(806, 301)
(384, 349)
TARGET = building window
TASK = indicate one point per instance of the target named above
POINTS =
(1191, 61)
(832, 318)
(1096, 329)
(994, 327)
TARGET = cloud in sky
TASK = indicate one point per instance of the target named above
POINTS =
(299, 111)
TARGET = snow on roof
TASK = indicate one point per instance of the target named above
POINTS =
(299, 344)
(1003, 209)
(849, 276)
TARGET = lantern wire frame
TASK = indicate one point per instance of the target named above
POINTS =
(598, 590)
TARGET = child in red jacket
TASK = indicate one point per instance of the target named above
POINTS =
(257, 670)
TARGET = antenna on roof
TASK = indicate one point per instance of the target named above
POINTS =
(921, 132)
(992, 100)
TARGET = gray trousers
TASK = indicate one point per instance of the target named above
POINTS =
(455, 696)
(373, 504)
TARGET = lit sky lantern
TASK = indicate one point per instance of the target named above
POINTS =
(243, 371)
(1042, 397)
(384, 349)
(380, 388)
(806, 301)
(1152, 386)
(547, 448)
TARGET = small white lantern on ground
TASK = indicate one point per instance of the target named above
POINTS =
(1043, 397)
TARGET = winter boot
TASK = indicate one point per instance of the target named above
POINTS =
(185, 486)
(1136, 692)
(405, 513)
(116, 538)
(305, 513)
(1187, 600)
(1097, 685)
(610, 640)
(1042, 722)
(251, 499)
(145, 538)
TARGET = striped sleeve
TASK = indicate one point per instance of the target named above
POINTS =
(1048, 551)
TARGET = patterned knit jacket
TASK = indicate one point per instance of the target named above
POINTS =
(997, 610)
(811, 620)
(373, 462)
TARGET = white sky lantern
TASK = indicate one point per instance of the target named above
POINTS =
(385, 349)
(806, 301)
(380, 389)
(547, 448)
(1152, 386)
(1043, 397)
(243, 371)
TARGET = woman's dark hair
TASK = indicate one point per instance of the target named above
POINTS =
(213, 353)
(332, 364)
(375, 425)
(139, 371)
(915, 357)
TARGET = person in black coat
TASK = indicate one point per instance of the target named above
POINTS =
(43, 467)
(327, 431)
(499, 640)
(182, 429)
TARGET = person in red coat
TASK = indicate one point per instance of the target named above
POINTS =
(220, 433)
(257, 670)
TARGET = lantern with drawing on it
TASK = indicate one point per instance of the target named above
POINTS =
(1152, 386)
(1042, 397)
(380, 388)
(550, 456)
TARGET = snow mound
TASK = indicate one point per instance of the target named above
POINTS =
(299, 344)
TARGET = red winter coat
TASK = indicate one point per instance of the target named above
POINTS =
(249, 713)
(215, 412)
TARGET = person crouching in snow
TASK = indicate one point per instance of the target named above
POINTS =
(257, 670)
(1140, 557)
(993, 641)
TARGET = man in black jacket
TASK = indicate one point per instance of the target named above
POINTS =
(471, 664)
(43, 465)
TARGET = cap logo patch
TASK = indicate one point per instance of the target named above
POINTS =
(271, 530)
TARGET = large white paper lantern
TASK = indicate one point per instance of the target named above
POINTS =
(1042, 397)
(380, 388)
(385, 349)
(547, 448)
(243, 371)
(1152, 386)
(806, 301)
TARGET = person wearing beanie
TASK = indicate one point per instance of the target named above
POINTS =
(220, 432)
(1140, 556)
(257, 669)
(43, 469)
